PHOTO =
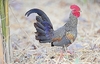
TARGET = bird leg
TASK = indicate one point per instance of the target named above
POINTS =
(62, 52)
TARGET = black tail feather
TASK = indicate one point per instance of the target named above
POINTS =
(40, 13)
(39, 30)
(44, 41)
(43, 26)
(38, 24)
(39, 19)
(41, 37)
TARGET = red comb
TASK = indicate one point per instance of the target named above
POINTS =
(75, 7)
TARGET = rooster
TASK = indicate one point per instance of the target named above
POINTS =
(63, 36)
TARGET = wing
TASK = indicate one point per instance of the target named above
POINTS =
(59, 38)
(63, 37)
(62, 42)
(58, 34)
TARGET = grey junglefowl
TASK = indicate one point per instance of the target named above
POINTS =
(64, 35)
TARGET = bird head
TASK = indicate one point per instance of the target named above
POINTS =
(75, 10)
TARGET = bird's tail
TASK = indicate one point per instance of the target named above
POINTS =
(43, 26)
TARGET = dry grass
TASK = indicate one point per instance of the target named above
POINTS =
(26, 50)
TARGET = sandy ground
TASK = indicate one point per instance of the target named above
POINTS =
(27, 50)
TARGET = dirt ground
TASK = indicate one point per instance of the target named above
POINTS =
(27, 50)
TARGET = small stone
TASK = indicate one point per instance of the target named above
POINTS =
(52, 57)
